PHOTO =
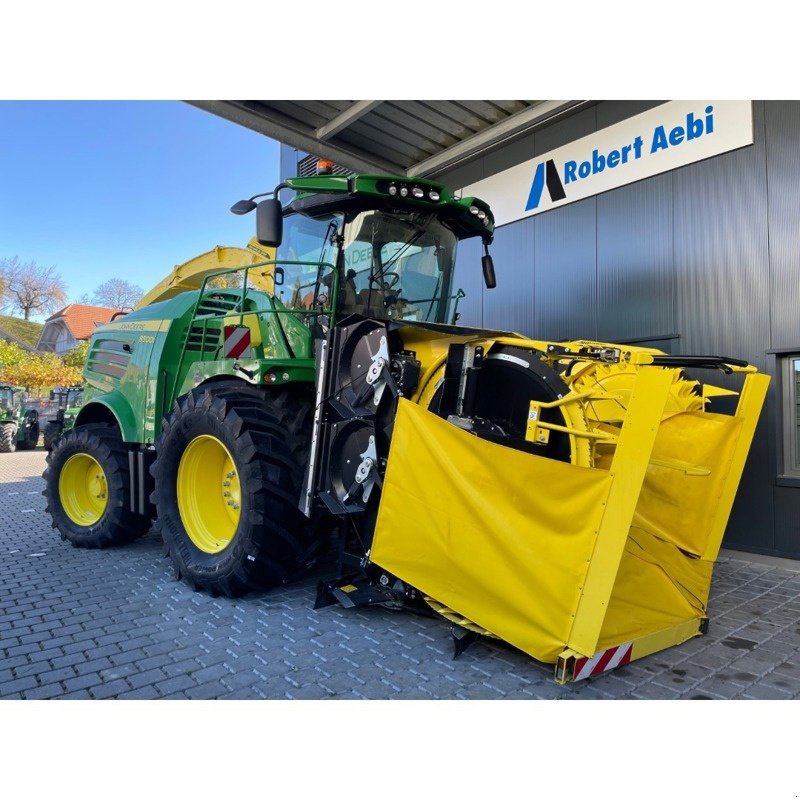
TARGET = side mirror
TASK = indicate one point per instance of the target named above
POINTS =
(269, 222)
(279, 276)
(243, 207)
(488, 271)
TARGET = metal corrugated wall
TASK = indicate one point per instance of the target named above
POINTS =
(709, 253)
(782, 127)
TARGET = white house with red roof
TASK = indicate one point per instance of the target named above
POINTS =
(71, 326)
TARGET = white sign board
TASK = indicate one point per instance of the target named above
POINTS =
(666, 137)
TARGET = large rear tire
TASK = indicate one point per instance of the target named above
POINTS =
(228, 476)
(8, 437)
(87, 487)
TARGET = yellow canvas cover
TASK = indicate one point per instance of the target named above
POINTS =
(665, 572)
(501, 536)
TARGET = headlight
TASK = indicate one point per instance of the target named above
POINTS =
(474, 210)
(433, 195)
(403, 191)
(417, 192)
(392, 190)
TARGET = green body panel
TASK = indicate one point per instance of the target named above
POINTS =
(319, 183)
(375, 186)
(286, 370)
(138, 366)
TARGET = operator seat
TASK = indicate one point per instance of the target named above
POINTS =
(373, 301)
(350, 301)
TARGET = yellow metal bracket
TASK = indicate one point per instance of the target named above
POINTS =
(535, 431)
(751, 400)
(567, 668)
(628, 469)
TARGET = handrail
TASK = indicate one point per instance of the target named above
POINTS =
(195, 320)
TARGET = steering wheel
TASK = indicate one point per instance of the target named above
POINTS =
(387, 279)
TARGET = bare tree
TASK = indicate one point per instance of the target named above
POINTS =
(117, 293)
(30, 287)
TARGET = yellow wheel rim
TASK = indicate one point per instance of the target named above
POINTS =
(209, 495)
(82, 489)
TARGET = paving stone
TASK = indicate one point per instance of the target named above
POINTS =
(151, 676)
(780, 680)
(95, 665)
(142, 693)
(719, 688)
(310, 693)
(244, 693)
(214, 673)
(18, 685)
(110, 689)
(759, 691)
(176, 684)
(206, 691)
(82, 682)
(44, 692)
(652, 691)
(137, 656)
(23, 649)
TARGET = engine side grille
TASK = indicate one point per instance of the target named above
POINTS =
(109, 357)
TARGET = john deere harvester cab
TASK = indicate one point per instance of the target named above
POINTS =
(19, 426)
(69, 401)
(374, 246)
(567, 497)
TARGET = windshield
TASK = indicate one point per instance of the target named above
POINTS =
(312, 240)
(6, 398)
(398, 265)
(74, 397)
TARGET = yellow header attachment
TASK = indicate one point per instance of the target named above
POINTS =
(191, 274)
(586, 564)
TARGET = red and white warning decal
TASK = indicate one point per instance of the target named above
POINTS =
(602, 662)
(236, 342)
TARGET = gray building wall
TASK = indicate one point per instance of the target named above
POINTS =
(701, 260)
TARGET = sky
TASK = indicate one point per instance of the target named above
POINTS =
(124, 189)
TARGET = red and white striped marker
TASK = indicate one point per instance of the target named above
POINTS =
(236, 342)
(602, 662)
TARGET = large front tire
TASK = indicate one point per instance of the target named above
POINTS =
(228, 475)
(87, 487)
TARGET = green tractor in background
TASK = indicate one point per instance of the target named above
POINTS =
(70, 400)
(19, 426)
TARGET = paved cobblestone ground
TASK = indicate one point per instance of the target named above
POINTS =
(115, 624)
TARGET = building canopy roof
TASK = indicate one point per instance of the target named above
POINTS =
(405, 137)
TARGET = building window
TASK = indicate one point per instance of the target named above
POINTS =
(790, 386)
